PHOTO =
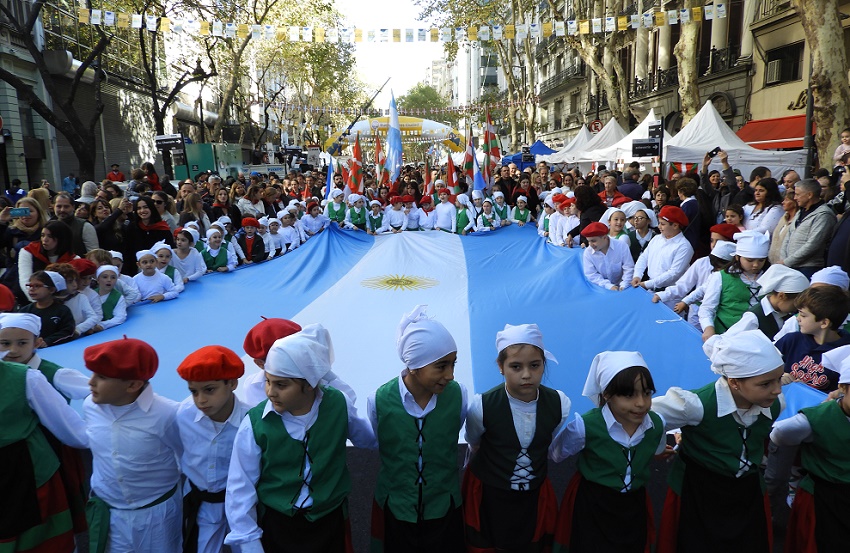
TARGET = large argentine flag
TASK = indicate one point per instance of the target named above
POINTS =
(359, 286)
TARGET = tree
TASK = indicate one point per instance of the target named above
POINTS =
(424, 96)
(687, 62)
(824, 33)
(77, 127)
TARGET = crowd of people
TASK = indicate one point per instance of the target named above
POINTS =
(738, 259)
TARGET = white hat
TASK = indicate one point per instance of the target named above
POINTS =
(463, 199)
(24, 321)
(488, 201)
(141, 253)
(194, 232)
(477, 195)
(439, 181)
(374, 202)
(498, 194)
(293, 203)
(192, 224)
(224, 220)
(631, 209)
(103, 268)
(274, 220)
(837, 360)
(752, 244)
(160, 246)
(605, 367)
(742, 354)
(523, 198)
(308, 354)
(263, 221)
(549, 201)
(211, 232)
(557, 190)
(352, 198)
(117, 255)
(781, 278)
(833, 275)
(58, 280)
(724, 249)
(610, 213)
(335, 192)
(420, 341)
(522, 334)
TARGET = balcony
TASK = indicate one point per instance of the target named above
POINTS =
(573, 72)
(769, 8)
(657, 81)
(718, 61)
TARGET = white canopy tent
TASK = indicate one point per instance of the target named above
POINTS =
(707, 131)
(576, 144)
(622, 150)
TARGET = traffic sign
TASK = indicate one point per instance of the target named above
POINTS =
(169, 141)
(595, 126)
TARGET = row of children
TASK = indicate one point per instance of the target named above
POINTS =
(273, 477)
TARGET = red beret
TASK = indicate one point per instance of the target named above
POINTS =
(620, 200)
(127, 359)
(673, 214)
(310, 207)
(7, 299)
(425, 200)
(408, 198)
(594, 229)
(725, 230)
(259, 339)
(396, 199)
(558, 198)
(211, 363)
(566, 203)
(250, 222)
(84, 266)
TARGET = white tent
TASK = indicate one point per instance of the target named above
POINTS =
(622, 150)
(707, 131)
(576, 144)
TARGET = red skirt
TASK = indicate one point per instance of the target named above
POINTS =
(55, 534)
(800, 534)
(607, 529)
(492, 517)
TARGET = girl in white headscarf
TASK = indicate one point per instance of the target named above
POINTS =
(509, 502)
(466, 214)
(417, 418)
(289, 454)
(606, 506)
(716, 492)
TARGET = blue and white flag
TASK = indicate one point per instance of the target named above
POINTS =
(478, 182)
(394, 149)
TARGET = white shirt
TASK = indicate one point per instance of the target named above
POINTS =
(494, 220)
(127, 286)
(572, 439)
(393, 220)
(91, 295)
(348, 224)
(613, 268)
(665, 259)
(524, 415)
(764, 221)
(207, 446)
(557, 234)
(793, 431)
(177, 280)
(54, 412)
(711, 300)
(193, 267)
(541, 225)
(241, 499)
(155, 284)
(71, 383)
(119, 312)
(683, 408)
(84, 315)
(446, 217)
(135, 449)
(695, 275)
(315, 224)
(427, 219)
(412, 217)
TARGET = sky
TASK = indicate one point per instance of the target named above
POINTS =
(404, 63)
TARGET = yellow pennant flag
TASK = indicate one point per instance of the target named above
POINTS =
(123, 21)
(280, 33)
(242, 30)
(205, 28)
(164, 25)
(584, 27)
(696, 13)
(396, 35)
(547, 29)
(435, 35)
(510, 32)
(622, 22)
(472, 33)
(83, 15)
(358, 35)
(660, 19)
(319, 34)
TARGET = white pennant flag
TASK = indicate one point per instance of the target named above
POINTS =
(96, 17)
(484, 33)
(559, 28)
(217, 28)
(109, 18)
(136, 21)
(150, 23)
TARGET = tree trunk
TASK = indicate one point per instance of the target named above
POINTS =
(227, 97)
(687, 67)
(830, 90)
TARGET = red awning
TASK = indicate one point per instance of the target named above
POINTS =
(771, 134)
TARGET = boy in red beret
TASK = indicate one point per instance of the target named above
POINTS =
(135, 445)
(607, 263)
(315, 221)
(667, 256)
(395, 220)
(207, 421)
(250, 242)
(87, 269)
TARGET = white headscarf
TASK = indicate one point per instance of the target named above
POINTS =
(463, 199)
(308, 354)
(103, 268)
(522, 334)
(523, 198)
(194, 232)
(742, 354)
(752, 244)
(335, 192)
(24, 321)
(263, 221)
(141, 253)
(605, 367)
(610, 213)
(420, 341)
(781, 278)
(477, 195)
(834, 275)
(213, 231)
(116, 255)
(160, 246)
(837, 360)
(724, 249)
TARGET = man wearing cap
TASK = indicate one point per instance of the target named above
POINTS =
(668, 254)
(115, 175)
(607, 263)
(805, 244)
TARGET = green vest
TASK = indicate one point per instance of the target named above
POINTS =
(357, 217)
(546, 223)
(200, 246)
(634, 244)
(21, 423)
(496, 458)
(336, 214)
(734, 301)
(715, 443)
(109, 304)
(486, 221)
(399, 483)
(503, 212)
(827, 457)
(604, 461)
(521, 214)
(220, 260)
(462, 219)
(376, 222)
(767, 323)
(169, 272)
(282, 458)
(48, 369)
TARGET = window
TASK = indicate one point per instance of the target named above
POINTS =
(558, 111)
(784, 65)
(574, 102)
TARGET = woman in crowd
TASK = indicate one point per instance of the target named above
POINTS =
(765, 211)
(145, 229)
(251, 204)
(55, 246)
(109, 222)
(165, 207)
(193, 210)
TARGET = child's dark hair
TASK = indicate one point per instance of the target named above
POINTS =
(187, 235)
(825, 302)
(43, 278)
(717, 263)
(734, 266)
(624, 383)
(739, 211)
(503, 355)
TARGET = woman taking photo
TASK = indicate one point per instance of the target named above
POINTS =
(108, 223)
(16, 234)
(145, 229)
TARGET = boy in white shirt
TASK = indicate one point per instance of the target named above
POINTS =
(607, 263)
(135, 445)
(152, 284)
(446, 213)
(126, 285)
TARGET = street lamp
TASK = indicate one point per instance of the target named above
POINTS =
(199, 72)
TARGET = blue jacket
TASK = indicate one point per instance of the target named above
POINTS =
(803, 356)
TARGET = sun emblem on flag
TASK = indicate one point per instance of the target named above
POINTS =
(399, 282)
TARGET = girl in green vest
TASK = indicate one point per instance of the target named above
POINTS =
(112, 302)
(417, 418)
(465, 215)
(288, 484)
(717, 500)
(520, 214)
(502, 209)
(375, 218)
(732, 291)
(336, 209)
(355, 217)
(217, 256)
(615, 219)
(606, 507)
(544, 227)
(487, 220)
(164, 254)
(509, 502)
(818, 520)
